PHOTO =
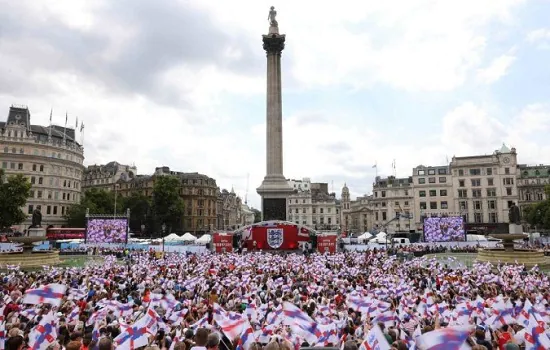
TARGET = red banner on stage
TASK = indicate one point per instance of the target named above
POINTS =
(222, 243)
(326, 244)
(275, 237)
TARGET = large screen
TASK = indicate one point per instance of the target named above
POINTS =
(444, 229)
(106, 230)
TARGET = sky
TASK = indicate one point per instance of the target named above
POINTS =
(181, 83)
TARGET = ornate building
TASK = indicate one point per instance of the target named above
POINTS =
(316, 207)
(198, 191)
(106, 176)
(50, 157)
(355, 215)
(229, 207)
(531, 181)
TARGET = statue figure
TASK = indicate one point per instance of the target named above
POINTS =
(271, 17)
(36, 218)
(514, 214)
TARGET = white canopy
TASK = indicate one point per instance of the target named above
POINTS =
(204, 239)
(173, 238)
(365, 236)
(187, 237)
(381, 235)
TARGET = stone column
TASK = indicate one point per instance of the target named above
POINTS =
(274, 189)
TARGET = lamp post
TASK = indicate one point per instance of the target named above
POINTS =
(163, 232)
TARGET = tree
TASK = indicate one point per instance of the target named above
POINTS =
(140, 208)
(257, 215)
(538, 215)
(98, 201)
(167, 207)
(14, 192)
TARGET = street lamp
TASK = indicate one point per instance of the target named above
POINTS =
(163, 232)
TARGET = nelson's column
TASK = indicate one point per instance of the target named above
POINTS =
(274, 189)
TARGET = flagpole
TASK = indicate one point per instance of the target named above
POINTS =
(50, 128)
(65, 128)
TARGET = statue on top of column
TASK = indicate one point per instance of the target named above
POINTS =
(271, 17)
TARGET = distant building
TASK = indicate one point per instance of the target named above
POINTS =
(247, 215)
(315, 208)
(531, 181)
(106, 176)
(229, 209)
(392, 195)
(356, 215)
(300, 185)
(433, 193)
(484, 188)
(52, 160)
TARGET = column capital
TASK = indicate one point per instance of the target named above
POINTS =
(274, 44)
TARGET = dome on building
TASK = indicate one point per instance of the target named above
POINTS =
(504, 149)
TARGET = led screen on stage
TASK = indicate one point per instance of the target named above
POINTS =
(444, 229)
(106, 231)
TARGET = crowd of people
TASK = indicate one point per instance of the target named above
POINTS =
(353, 300)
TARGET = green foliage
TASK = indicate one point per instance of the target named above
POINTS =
(98, 201)
(538, 215)
(14, 192)
(140, 208)
(168, 207)
(257, 215)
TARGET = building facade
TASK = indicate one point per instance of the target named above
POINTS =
(484, 188)
(315, 208)
(106, 176)
(198, 191)
(392, 195)
(52, 160)
(229, 210)
(433, 193)
(300, 185)
(356, 215)
(531, 182)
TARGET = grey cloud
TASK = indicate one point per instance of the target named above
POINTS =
(166, 34)
(337, 147)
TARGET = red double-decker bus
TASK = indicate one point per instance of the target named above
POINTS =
(55, 233)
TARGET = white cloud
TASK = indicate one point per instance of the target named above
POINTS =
(540, 37)
(497, 69)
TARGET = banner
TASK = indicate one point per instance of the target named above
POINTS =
(222, 243)
(326, 244)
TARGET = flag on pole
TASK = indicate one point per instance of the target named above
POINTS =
(66, 118)
(51, 113)
(81, 126)
(76, 127)
(375, 165)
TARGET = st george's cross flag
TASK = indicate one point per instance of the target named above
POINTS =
(48, 294)
(44, 334)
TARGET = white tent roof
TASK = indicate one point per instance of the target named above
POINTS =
(173, 237)
(364, 236)
(381, 235)
(204, 239)
(188, 237)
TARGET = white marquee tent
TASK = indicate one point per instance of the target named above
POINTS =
(364, 237)
(173, 238)
(187, 237)
(205, 239)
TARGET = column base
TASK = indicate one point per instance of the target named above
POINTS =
(274, 192)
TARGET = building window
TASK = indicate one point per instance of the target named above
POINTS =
(396, 204)
(375, 194)
(13, 150)
(314, 210)
(442, 180)
(375, 216)
(508, 191)
(443, 193)
(33, 180)
(421, 180)
(508, 181)
(507, 171)
(433, 193)
(431, 172)
(41, 168)
(34, 167)
(490, 182)
(510, 203)
(30, 209)
(422, 193)
(20, 166)
(492, 217)
(384, 216)
(6, 149)
(444, 205)
(489, 171)
(431, 180)
(406, 192)
(540, 196)
(442, 171)
(303, 201)
(476, 182)
(40, 180)
(406, 203)
(478, 218)
(492, 205)
(321, 211)
(460, 183)
(460, 172)
(477, 205)
(475, 172)
(462, 193)
(463, 205)
(12, 165)
(303, 210)
(383, 194)
(48, 210)
(422, 205)
(491, 192)
(4, 165)
(421, 172)
(31, 194)
(55, 210)
(476, 193)
(433, 205)
(384, 204)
